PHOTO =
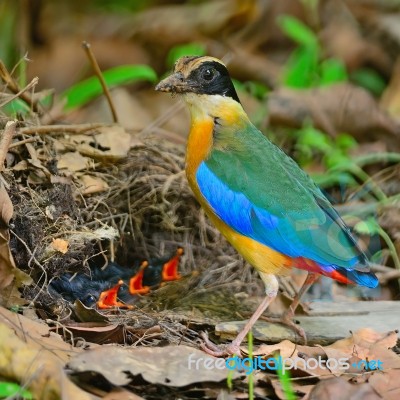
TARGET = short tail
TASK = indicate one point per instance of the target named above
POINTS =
(340, 274)
(362, 278)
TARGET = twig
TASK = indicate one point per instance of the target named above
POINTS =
(21, 142)
(13, 86)
(29, 86)
(6, 140)
(97, 70)
(74, 129)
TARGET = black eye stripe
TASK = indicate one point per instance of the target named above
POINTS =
(219, 83)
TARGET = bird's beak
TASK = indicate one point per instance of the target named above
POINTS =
(174, 83)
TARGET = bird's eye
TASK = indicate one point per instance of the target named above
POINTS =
(208, 74)
(90, 299)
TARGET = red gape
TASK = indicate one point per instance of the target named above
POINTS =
(170, 268)
(136, 282)
(109, 298)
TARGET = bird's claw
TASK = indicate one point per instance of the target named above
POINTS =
(222, 350)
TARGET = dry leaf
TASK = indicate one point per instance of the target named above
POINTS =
(11, 296)
(390, 100)
(6, 206)
(386, 384)
(331, 109)
(170, 365)
(35, 358)
(121, 394)
(339, 388)
(73, 161)
(112, 143)
(60, 245)
(8, 269)
(92, 185)
(96, 332)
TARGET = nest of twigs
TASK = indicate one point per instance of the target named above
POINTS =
(145, 209)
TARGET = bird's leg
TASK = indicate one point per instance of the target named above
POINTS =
(271, 289)
(288, 315)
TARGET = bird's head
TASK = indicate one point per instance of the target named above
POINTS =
(204, 83)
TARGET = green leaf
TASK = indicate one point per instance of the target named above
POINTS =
(10, 389)
(239, 86)
(314, 139)
(189, 49)
(370, 80)
(336, 158)
(82, 92)
(17, 106)
(332, 71)
(345, 141)
(256, 89)
(368, 227)
(297, 31)
(301, 70)
(284, 380)
(334, 178)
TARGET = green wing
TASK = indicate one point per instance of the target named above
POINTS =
(262, 193)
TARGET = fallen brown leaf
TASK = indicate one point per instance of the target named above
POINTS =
(121, 394)
(73, 161)
(339, 388)
(386, 384)
(331, 109)
(111, 143)
(171, 366)
(29, 355)
(95, 332)
(92, 185)
(8, 269)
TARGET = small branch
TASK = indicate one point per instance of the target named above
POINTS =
(30, 85)
(13, 86)
(97, 70)
(21, 142)
(6, 140)
(73, 129)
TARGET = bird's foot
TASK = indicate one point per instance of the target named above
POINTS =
(222, 350)
(287, 320)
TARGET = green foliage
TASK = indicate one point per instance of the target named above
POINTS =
(312, 142)
(369, 79)
(122, 5)
(332, 71)
(8, 24)
(304, 68)
(371, 227)
(301, 68)
(286, 384)
(256, 89)
(334, 153)
(82, 92)
(297, 31)
(250, 356)
(17, 106)
(368, 227)
(333, 178)
(10, 389)
(188, 49)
